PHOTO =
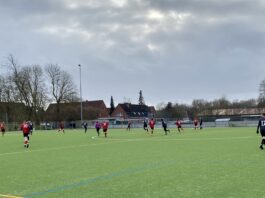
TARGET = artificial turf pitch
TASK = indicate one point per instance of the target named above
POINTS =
(213, 162)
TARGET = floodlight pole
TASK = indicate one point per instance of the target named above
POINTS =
(81, 105)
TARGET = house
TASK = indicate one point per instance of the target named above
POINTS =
(133, 111)
(71, 111)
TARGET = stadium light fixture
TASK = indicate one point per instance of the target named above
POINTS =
(81, 100)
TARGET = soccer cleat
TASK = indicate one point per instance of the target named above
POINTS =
(261, 147)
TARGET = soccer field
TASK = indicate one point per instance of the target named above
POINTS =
(213, 162)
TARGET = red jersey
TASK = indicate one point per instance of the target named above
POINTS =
(25, 128)
(152, 123)
(178, 123)
(105, 125)
(61, 125)
(2, 126)
(195, 122)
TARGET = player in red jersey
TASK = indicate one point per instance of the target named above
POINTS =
(152, 125)
(61, 127)
(26, 130)
(195, 122)
(178, 123)
(105, 126)
(2, 128)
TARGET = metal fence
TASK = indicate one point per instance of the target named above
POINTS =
(137, 124)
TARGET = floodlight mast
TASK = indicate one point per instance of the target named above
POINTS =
(81, 100)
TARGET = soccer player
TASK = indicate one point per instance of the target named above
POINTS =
(61, 127)
(129, 125)
(178, 123)
(195, 122)
(2, 128)
(145, 125)
(105, 126)
(261, 129)
(201, 124)
(26, 130)
(30, 127)
(98, 127)
(152, 125)
(164, 125)
(85, 126)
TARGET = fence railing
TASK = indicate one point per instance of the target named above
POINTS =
(170, 124)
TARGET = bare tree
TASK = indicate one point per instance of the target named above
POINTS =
(262, 94)
(61, 86)
(127, 100)
(6, 90)
(29, 82)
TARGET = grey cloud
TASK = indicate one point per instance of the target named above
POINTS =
(214, 45)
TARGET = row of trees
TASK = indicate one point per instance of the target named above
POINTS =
(36, 87)
(199, 106)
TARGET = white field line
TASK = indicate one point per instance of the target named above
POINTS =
(122, 141)
(13, 133)
(181, 139)
(9, 196)
(59, 148)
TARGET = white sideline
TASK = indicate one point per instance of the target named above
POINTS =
(58, 148)
(9, 196)
(181, 139)
(118, 140)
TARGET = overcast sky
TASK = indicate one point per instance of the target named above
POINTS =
(172, 50)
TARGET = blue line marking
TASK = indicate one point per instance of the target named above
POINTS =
(124, 172)
(131, 171)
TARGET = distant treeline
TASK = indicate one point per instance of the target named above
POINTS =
(202, 107)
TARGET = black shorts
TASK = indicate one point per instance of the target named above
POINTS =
(262, 133)
(26, 135)
(105, 130)
(3, 130)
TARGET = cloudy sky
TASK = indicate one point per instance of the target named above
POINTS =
(172, 50)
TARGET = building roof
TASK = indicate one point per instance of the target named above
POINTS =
(71, 110)
(135, 110)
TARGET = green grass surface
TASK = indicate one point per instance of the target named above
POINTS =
(214, 162)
